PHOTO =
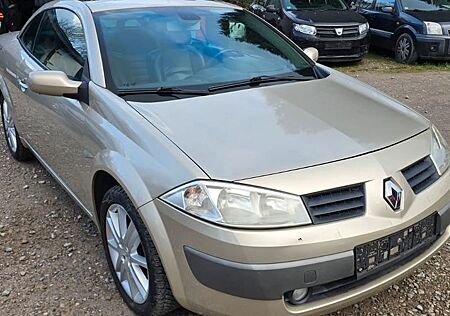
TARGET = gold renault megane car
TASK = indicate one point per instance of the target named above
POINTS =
(227, 172)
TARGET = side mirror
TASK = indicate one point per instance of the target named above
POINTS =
(387, 10)
(271, 9)
(312, 53)
(54, 83)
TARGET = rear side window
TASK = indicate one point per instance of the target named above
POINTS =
(384, 3)
(29, 35)
(60, 43)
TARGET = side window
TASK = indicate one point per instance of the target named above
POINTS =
(364, 4)
(29, 34)
(384, 3)
(60, 43)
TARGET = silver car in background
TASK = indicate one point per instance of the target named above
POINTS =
(227, 172)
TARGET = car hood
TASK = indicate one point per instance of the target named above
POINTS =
(327, 17)
(431, 16)
(267, 130)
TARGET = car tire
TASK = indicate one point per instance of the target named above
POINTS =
(405, 49)
(116, 206)
(15, 146)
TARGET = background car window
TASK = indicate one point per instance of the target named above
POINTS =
(426, 5)
(60, 43)
(364, 4)
(29, 35)
(384, 3)
(292, 5)
(275, 3)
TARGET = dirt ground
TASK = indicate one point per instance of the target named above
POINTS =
(52, 261)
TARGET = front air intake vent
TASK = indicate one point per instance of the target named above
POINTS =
(336, 204)
(421, 174)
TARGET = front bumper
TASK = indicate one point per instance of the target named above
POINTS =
(433, 47)
(222, 271)
(267, 281)
(335, 49)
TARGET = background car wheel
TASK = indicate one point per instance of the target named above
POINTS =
(13, 142)
(132, 257)
(405, 49)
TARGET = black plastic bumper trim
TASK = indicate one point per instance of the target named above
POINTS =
(267, 281)
(443, 219)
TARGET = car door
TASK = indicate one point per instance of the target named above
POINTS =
(383, 21)
(55, 125)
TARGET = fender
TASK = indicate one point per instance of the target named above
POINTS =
(404, 28)
(125, 175)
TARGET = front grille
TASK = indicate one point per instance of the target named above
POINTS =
(336, 204)
(330, 31)
(421, 174)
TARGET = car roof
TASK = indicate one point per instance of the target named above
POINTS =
(107, 5)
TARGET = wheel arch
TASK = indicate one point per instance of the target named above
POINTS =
(5, 91)
(111, 169)
(404, 29)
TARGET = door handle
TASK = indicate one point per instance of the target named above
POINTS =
(22, 84)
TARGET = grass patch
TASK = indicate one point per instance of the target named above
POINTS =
(381, 61)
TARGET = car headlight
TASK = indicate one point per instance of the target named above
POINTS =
(433, 28)
(305, 29)
(439, 151)
(239, 206)
(363, 28)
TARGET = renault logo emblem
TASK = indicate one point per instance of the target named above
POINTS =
(339, 31)
(393, 194)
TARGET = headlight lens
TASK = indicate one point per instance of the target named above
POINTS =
(305, 29)
(363, 28)
(433, 28)
(439, 151)
(239, 205)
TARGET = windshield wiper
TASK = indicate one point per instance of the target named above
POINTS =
(256, 81)
(162, 91)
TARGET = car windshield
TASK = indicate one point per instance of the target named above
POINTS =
(325, 5)
(191, 47)
(426, 5)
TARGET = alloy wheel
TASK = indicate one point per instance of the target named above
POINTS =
(10, 128)
(404, 48)
(127, 254)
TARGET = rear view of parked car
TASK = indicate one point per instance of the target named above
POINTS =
(413, 29)
(339, 33)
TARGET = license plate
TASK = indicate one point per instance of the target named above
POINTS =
(376, 254)
(338, 45)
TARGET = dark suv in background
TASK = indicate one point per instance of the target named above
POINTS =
(413, 29)
(339, 33)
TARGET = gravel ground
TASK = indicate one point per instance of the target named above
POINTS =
(52, 261)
